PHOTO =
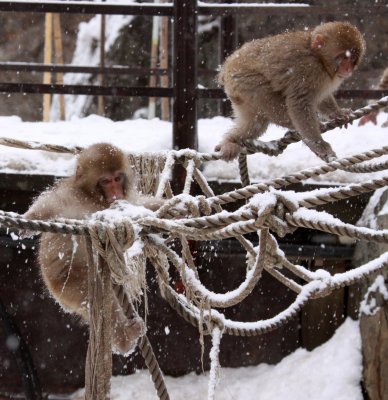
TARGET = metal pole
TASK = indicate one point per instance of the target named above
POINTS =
(164, 54)
(228, 43)
(185, 75)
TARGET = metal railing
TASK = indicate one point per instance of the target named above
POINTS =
(184, 90)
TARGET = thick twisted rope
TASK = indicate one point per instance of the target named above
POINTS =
(144, 346)
(271, 148)
(321, 286)
(98, 366)
(249, 191)
(276, 147)
(279, 216)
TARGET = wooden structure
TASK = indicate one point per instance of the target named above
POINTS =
(184, 90)
(59, 363)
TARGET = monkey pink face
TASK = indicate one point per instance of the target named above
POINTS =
(112, 186)
(346, 63)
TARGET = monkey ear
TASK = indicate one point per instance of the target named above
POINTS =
(318, 41)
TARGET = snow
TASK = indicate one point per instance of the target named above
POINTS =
(140, 135)
(331, 371)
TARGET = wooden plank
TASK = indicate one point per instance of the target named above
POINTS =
(87, 7)
(286, 9)
(85, 89)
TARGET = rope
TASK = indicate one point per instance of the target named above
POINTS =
(243, 168)
(98, 367)
(144, 346)
(271, 148)
(185, 217)
(276, 147)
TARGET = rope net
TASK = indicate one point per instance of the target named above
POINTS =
(268, 212)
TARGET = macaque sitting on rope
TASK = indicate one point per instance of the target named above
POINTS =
(102, 175)
(288, 80)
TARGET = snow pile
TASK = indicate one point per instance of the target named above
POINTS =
(154, 135)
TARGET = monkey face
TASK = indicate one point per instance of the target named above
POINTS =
(345, 62)
(113, 186)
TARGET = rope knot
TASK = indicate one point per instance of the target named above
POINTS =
(111, 241)
(184, 205)
(271, 209)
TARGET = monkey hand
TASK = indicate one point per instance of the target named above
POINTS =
(371, 117)
(125, 337)
(322, 149)
(342, 116)
(229, 150)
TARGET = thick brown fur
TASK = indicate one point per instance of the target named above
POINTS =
(63, 258)
(288, 79)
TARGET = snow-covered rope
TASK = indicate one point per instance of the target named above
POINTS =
(276, 147)
(202, 218)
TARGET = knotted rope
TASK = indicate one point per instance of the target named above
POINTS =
(112, 273)
(111, 244)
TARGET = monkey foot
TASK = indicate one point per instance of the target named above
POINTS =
(125, 338)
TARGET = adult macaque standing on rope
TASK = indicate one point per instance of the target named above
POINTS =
(102, 176)
(288, 79)
(372, 116)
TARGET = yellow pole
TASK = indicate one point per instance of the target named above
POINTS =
(164, 64)
(101, 100)
(154, 62)
(47, 60)
(59, 60)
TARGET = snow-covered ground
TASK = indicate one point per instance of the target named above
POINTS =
(331, 371)
(140, 135)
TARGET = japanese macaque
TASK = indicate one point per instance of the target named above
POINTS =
(372, 116)
(288, 80)
(102, 176)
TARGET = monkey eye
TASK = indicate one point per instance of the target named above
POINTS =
(351, 54)
(104, 181)
(119, 178)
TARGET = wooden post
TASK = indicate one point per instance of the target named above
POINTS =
(164, 79)
(153, 64)
(59, 60)
(101, 100)
(48, 46)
